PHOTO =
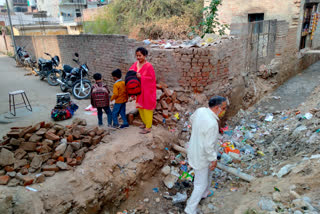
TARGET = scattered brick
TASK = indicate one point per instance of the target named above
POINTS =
(165, 114)
(51, 162)
(4, 180)
(71, 161)
(27, 180)
(168, 100)
(27, 136)
(62, 165)
(164, 105)
(20, 163)
(8, 168)
(41, 131)
(48, 173)
(28, 146)
(60, 133)
(96, 140)
(36, 162)
(15, 142)
(50, 168)
(48, 125)
(24, 171)
(70, 138)
(40, 178)
(6, 157)
(51, 136)
(60, 159)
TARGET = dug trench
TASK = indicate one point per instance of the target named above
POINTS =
(106, 176)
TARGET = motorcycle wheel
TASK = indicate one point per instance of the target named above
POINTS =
(63, 88)
(52, 78)
(20, 62)
(84, 92)
(41, 77)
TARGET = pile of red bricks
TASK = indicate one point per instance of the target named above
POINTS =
(168, 105)
(29, 154)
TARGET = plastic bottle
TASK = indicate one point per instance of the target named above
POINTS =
(226, 159)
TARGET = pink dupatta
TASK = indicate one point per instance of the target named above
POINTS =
(148, 97)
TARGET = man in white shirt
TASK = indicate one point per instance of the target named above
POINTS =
(203, 149)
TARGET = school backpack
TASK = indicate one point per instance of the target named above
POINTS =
(133, 84)
(63, 112)
(100, 96)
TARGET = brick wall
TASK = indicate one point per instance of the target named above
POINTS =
(219, 69)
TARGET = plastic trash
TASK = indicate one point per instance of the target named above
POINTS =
(184, 168)
(226, 159)
(177, 116)
(193, 42)
(248, 149)
(285, 170)
(315, 156)
(248, 135)
(269, 117)
(155, 190)
(167, 46)
(233, 189)
(179, 198)
(147, 42)
(260, 153)
(267, 204)
(276, 97)
(308, 116)
(31, 189)
(186, 176)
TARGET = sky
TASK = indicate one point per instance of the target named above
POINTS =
(2, 2)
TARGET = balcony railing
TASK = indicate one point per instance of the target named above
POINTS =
(73, 2)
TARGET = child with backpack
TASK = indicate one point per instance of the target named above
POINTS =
(100, 99)
(121, 97)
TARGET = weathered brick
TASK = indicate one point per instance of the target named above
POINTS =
(4, 180)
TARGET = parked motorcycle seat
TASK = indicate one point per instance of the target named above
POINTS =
(44, 61)
(67, 68)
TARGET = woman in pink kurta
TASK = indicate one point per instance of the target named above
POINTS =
(147, 100)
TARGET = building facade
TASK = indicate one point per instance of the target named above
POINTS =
(68, 10)
(18, 5)
(301, 15)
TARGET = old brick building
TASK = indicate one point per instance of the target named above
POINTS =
(301, 16)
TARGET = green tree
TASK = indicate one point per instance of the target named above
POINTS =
(210, 23)
(147, 18)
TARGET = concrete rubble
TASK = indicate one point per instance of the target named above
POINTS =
(45, 148)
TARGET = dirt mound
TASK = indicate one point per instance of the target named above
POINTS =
(106, 176)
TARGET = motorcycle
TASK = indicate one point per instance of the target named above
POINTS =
(73, 78)
(24, 58)
(47, 69)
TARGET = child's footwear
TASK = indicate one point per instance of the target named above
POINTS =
(124, 126)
